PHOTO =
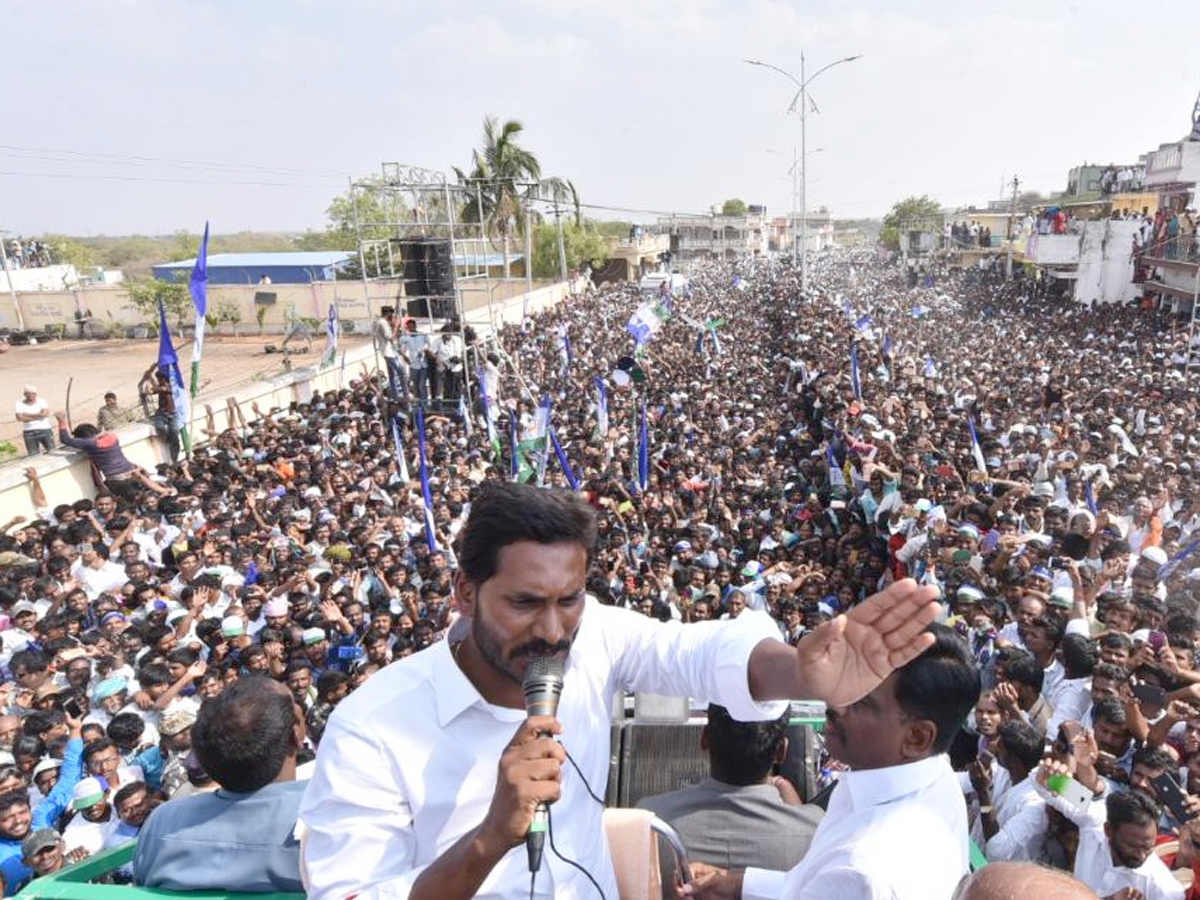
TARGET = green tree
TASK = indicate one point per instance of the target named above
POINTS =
(508, 177)
(145, 294)
(580, 244)
(920, 213)
(733, 207)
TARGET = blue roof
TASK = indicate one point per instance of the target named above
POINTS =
(316, 258)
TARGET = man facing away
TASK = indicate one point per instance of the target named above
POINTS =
(246, 739)
(738, 817)
(429, 775)
(896, 825)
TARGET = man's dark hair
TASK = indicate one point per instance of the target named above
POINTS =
(742, 753)
(1054, 631)
(1110, 709)
(1024, 742)
(38, 722)
(1022, 668)
(1131, 808)
(183, 656)
(506, 512)
(91, 748)
(244, 735)
(1112, 672)
(15, 797)
(1154, 758)
(128, 791)
(28, 661)
(1114, 639)
(330, 681)
(941, 685)
(1079, 655)
(125, 729)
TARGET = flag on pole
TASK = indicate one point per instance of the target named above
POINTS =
(837, 478)
(854, 376)
(1090, 499)
(645, 322)
(168, 364)
(426, 494)
(563, 461)
(401, 458)
(1169, 567)
(514, 464)
(465, 415)
(542, 433)
(198, 288)
(643, 460)
(976, 450)
(331, 337)
(493, 438)
(847, 308)
(918, 312)
(601, 407)
(930, 368)
(864, 323)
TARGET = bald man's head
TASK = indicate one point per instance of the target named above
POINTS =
(1020, 881)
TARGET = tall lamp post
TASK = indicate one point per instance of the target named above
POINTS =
(802, 97)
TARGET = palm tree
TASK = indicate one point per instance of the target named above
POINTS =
(504, 178)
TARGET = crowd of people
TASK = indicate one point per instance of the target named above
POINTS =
(762, 451)
(28, 254)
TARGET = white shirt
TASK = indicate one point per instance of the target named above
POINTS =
(898, 833)
(1093, 860)
(110, 576)
(1052, 677)
(89, 835)
(38, 407)
(1022, 820)
(407, 765)
(1070, 701)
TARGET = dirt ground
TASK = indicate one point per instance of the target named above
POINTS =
(102, 366)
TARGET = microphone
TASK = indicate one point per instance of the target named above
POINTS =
(542, 686)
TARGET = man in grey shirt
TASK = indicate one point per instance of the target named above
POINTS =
(738, 814)
(242, 836)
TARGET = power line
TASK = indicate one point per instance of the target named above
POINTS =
(170, 161)
(85, 176)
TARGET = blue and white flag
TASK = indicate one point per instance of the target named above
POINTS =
(930, 368)
(847, 308)
(854, 376)
(401, 458)
(643, 460)
(465, 415)
(168, 364)
(837, 478)
(563, 461)
(645, 322)
(601, 407)
(919, 312)
(542, 432)
(426, 494)
(887, 345)
(515, 462)
(1169, 567)
(1090, 499)
(976, 450)
(864, 323)
(493, 438)
(331, 337)
(198, 287)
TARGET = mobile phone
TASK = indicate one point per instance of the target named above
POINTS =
(1157, 640)
(1172, 796)
(1150, 694)
(73, 709)
(1070, 790)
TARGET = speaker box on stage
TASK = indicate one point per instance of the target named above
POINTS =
(801, 764)
(659, 758)
(426, 307)
(428, 266)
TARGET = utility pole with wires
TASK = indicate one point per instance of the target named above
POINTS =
(1012, 212)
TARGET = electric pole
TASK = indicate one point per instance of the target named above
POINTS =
(1012, 212)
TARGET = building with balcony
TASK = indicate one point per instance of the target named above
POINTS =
(1170, 271)
(716, 236)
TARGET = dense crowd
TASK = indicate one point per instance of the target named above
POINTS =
(1033, 460)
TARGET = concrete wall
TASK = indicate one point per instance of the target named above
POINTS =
(1053, 249)
(1106, 263)
(109, 304)
(66, 475)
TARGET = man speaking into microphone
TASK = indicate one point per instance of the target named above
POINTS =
(431, 776)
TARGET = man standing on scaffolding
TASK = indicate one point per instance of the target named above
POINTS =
(384, 335)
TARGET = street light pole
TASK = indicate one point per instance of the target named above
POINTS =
(801, 96)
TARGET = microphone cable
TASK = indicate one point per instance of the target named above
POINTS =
(550, 832)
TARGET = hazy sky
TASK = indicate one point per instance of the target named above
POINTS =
(152, 115)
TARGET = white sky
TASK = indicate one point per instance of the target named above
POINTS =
(643, 103)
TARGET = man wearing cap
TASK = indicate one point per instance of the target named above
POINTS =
(33, 413)
(175, 728)
(45, 853)
(93, 817)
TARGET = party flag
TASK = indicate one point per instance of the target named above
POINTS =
(198, 288)
(563, 461)
(427, 495)
(1090, 498)
(401, 458)
(601, 407)
(930, 368)
(643, 460)
(465, 415)
(854, 376)
(331, 337)
(514, 464)
(976, 450)
(493, 438)
(837, 478)
(168, 364)
(863, 324)
(1169, 567)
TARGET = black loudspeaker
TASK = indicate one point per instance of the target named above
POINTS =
(439, 268)
(659, 758)
(425, 307)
